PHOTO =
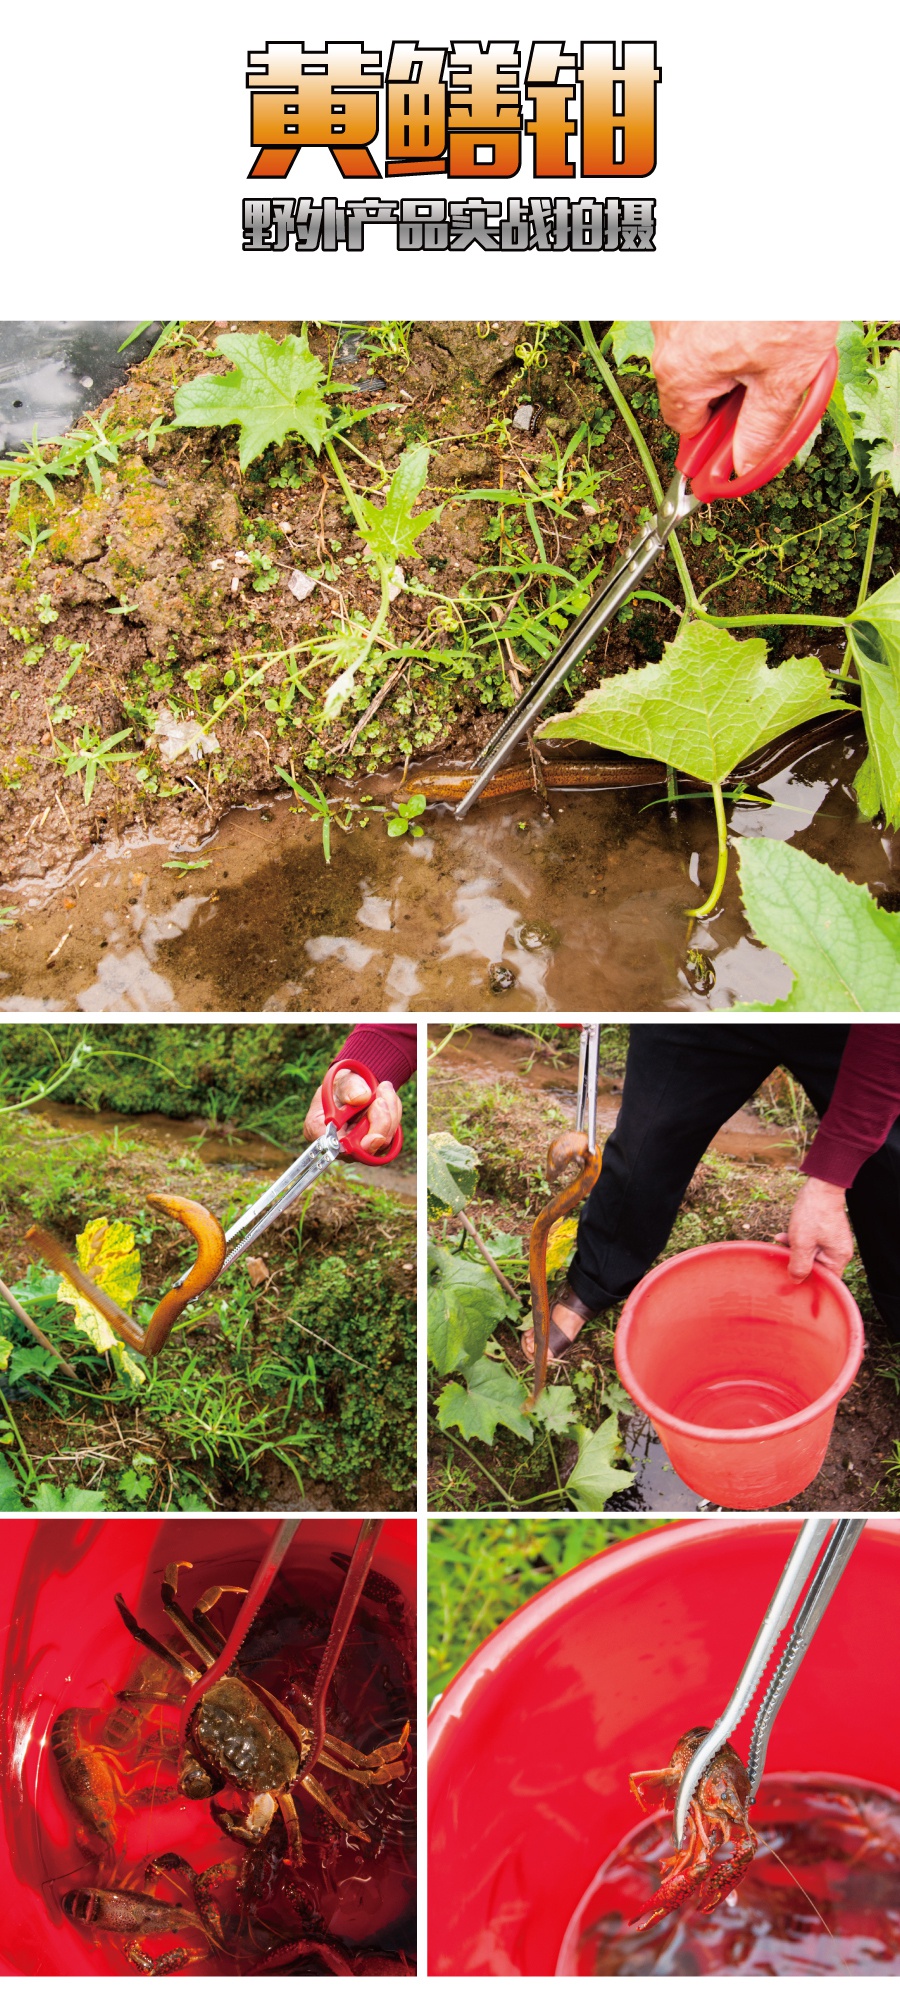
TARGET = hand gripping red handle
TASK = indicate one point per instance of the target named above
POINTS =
(342, 1114)
(707, 460)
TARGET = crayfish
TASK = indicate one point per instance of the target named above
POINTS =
(717, 1814)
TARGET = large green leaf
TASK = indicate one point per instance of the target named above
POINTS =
(465, 1303)
(874, 635)
(709, 702)
(10, 1497)
(876, 407)
(555, 1407)
(595, 1476)
(106, 1253)
(491, 1396)
(843, 950)
(272, 392)
(392, 531)
(853, 362)
(452, 1172)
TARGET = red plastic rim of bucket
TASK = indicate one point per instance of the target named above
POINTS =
(784, 1425)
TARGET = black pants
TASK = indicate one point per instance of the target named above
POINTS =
(681, 1084)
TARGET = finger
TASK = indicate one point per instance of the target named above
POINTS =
(770, 403)
(314, 1122)
(348, 1088)
(685, 405)
(384, 1118)
(802, 1258)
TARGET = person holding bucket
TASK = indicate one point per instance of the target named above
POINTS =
(681, 1085)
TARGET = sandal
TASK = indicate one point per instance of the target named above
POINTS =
(561, 1343)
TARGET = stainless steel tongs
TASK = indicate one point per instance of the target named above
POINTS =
(706, 461)
(819, 1537)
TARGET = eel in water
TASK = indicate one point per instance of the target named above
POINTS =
(569, 774)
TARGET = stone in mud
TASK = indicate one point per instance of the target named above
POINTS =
(484, 356)
(500, 977)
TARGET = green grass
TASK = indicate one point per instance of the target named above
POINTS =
(479, 1572)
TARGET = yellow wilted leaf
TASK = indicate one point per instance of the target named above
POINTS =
(106, 1252)
(561, 1244)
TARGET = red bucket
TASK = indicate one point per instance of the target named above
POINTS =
(739, 1368)
(531, 1746)
(64, 1645)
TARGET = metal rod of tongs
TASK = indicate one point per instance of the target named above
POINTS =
(819, 1533)
(678, 504)
(275, 1199)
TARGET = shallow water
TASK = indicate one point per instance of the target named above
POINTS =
(839, 1839)
(581, 908)
(52, 370)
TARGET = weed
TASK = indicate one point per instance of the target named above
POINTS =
(405, 815)
(90, 753)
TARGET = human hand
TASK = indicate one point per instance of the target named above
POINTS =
(385, 1110)
(696, 361)
(818, 1231)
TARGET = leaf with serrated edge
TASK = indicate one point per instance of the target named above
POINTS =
(631, 337)
(452, 1170)
(465, 1303)
(853, 361)
(10, 1497)
(490, 1397)
(843, 950)
(555, 1408)
(392, 531)
(709, 702)
(272, 392)
(595, 1477)
(876, 408)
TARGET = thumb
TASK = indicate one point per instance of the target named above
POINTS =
(348, 1088)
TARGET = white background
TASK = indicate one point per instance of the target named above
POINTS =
(125, 151)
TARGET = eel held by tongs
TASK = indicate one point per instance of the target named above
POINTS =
(210, 1240)
(569, 1147)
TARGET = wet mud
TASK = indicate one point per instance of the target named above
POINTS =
(515, 909)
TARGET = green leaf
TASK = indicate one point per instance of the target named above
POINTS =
(631, 337)
(555, 1408)
(31, 1361)
(874, 635)
(6, 1348)
(273, 391)
(843, 950)
(595, 1477)
(392, 531)
(491, 1396)
(106, 1253)
(465, 1303)
(49, 1499)
(708, 703)
(876, 407)
(503, 1244)
(853, 362)
(452, 1170)
(10, 1497)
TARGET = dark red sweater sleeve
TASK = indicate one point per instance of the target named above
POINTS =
(864, 1105)
(389, 1051)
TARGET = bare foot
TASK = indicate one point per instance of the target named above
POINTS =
(568, 1322)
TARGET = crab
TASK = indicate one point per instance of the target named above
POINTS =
(717, 1814)
(240, 1736)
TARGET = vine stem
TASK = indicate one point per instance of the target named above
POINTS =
(867, 566)
(769, 618)
(722, 832)
(628, 417)
(31, 1476)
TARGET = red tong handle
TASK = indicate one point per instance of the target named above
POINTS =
(707, 460)
(342, 1114)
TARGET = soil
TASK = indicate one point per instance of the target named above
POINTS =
(743, 1188)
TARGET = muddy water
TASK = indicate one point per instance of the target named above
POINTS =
(512, 910)
(52, 370)
(247, 1150)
